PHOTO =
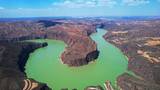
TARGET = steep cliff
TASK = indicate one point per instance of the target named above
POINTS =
(80, 50)
(13, 56)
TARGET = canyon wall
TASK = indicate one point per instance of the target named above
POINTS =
(13, 56)
(80, 50)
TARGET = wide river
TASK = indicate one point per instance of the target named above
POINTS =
(44, 65)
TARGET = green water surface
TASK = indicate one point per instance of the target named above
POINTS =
(44, 65)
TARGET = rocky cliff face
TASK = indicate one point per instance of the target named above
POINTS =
(13, 56)
(80, 50)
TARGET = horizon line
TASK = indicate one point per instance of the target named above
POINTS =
(76, 16)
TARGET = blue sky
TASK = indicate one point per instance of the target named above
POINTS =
(44, 8)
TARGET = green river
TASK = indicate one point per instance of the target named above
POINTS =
(44, 65)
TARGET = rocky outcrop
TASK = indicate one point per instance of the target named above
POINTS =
(81, 48)
(13, 56)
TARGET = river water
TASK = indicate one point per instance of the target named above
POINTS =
(44, 65)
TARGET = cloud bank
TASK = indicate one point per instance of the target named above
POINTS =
(99, 3)
(135, 2)
(85, 3)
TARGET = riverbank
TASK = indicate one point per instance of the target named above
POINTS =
(139, 44)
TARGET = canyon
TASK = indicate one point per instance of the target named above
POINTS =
(80, 49)
(137, 39)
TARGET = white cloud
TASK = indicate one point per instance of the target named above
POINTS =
(85, 3)
(135, 2)
(106, 2)
(68, 3)
(1, 8)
